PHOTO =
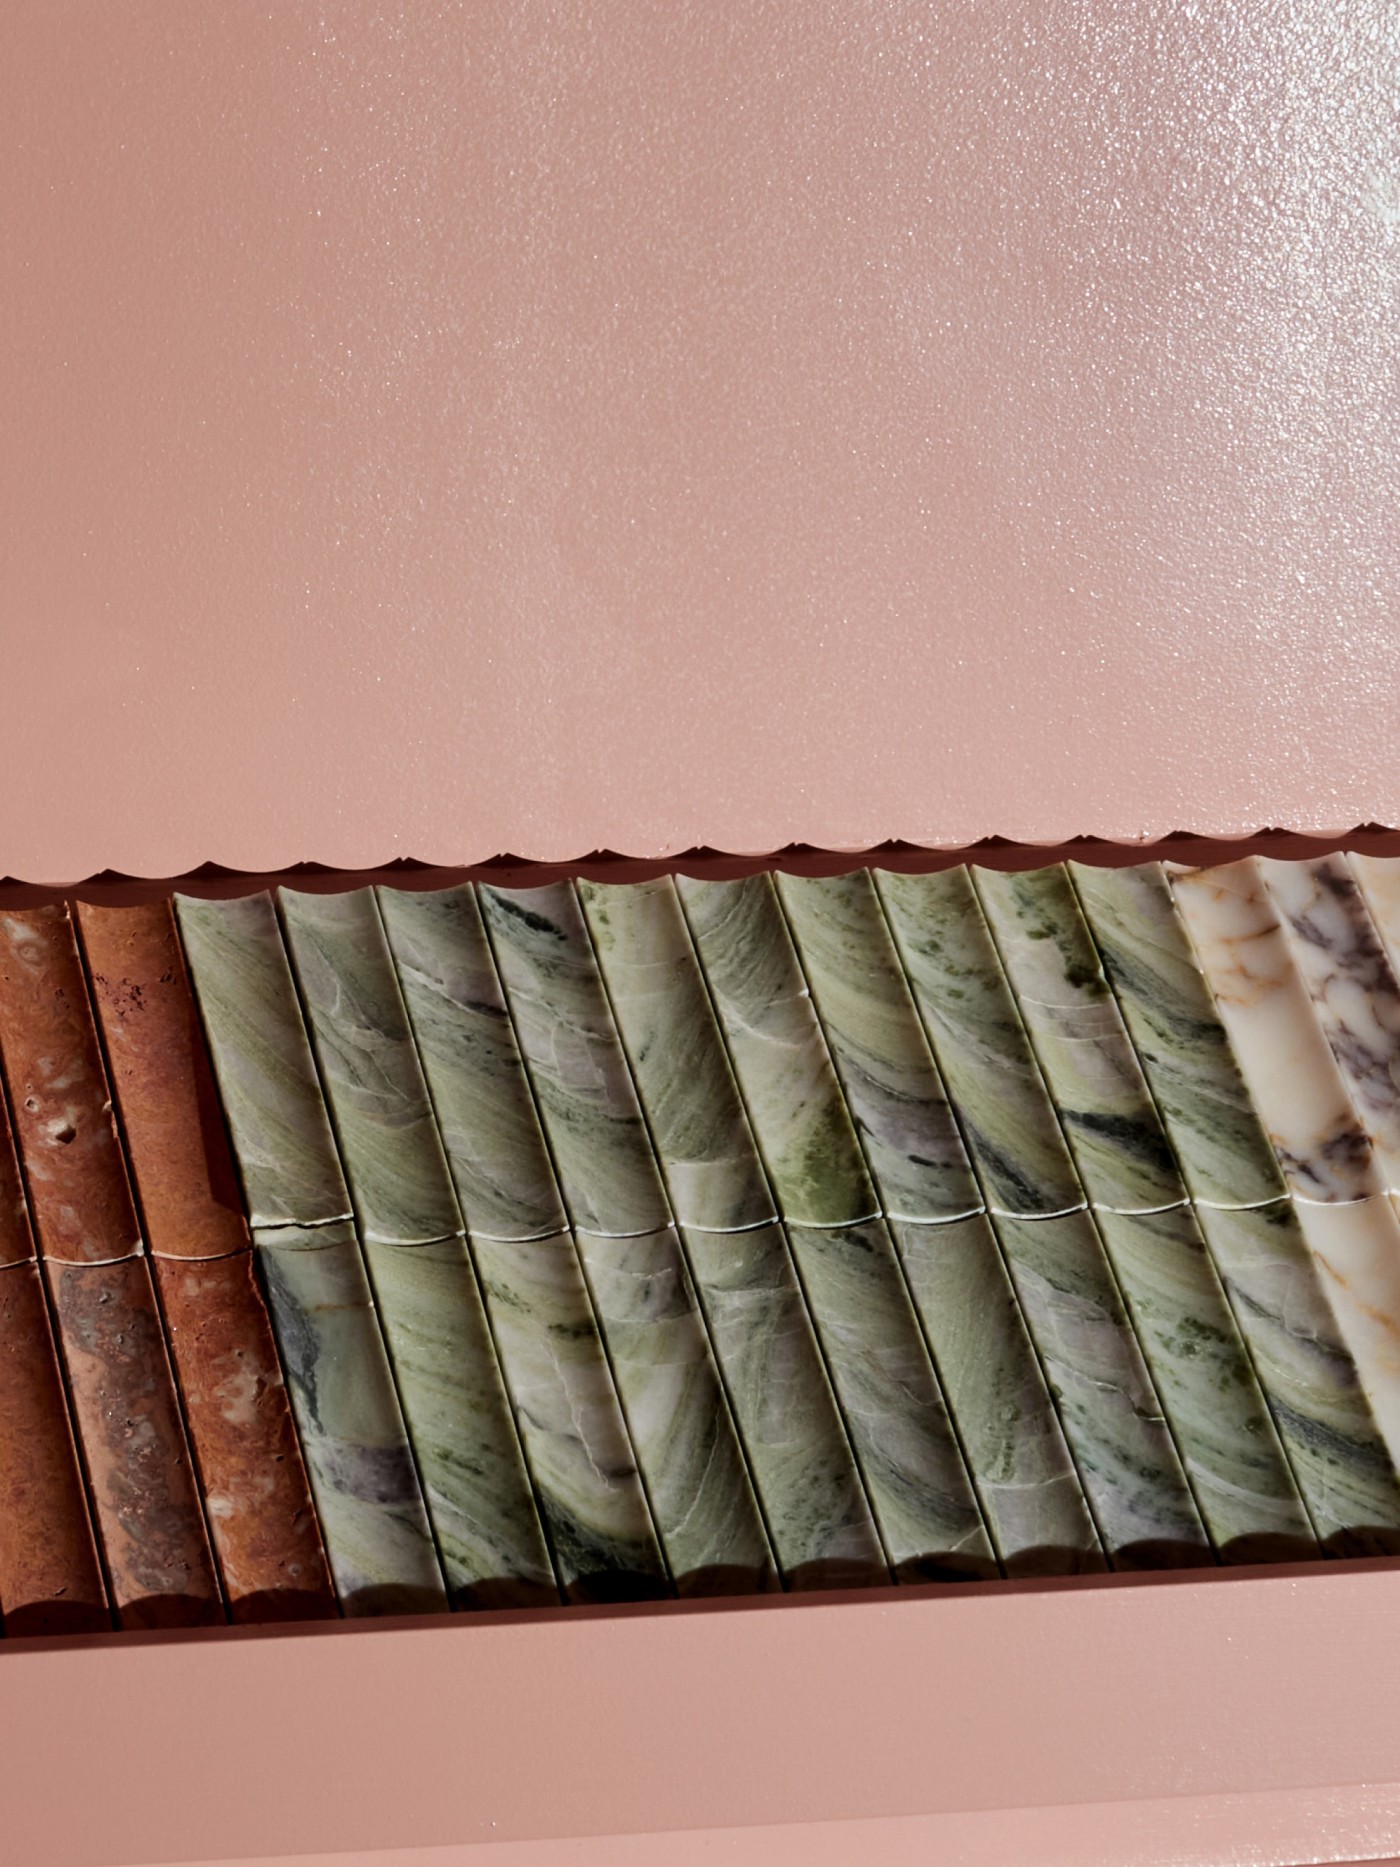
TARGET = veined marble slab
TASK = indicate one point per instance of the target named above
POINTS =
(1284, 1057)
(1355, 993)
(1220, 1144)
(912, 1146)
(1315, 1391)
(688, 1451)
(1093, 1075)
(1224, 1432)
(376, 1530)
(663, 1012)
(571, 1423)
(481, 1095)
(915, 1475)
(779, 1055)
(985, 1056)
(575, 1059)
(1112, 1417)
(804, 1471)
(1358, 1248)
(1006, 1421)
(399, 1183)
(460, 1425)
(286, 1153)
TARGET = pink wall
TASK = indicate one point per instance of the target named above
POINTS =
(525, 425)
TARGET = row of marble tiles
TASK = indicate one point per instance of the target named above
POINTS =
(727, 1235)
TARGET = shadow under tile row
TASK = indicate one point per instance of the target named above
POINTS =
(402, 1251)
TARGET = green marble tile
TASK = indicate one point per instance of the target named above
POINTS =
(366, 1489)
(891, 1083)
(1007, 1423)
(575, 1060)
(1110, 1412)
(1084, 1051)
(459, 1420)
(485, 1112)
(688, 1451)
(1241, 1480)
(267, 1081)
(570, 1420)
(1219, 1141)
(379, 1105)
(981, 1045)
(780, 1057)
(909, 1456)
(803, 1468)
(1320, 1407)
(678, 1060)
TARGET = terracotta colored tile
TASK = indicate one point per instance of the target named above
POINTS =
(264, 1528)
(163, 1082)
(144, 1492)
(50, 1577)
(78, 1190)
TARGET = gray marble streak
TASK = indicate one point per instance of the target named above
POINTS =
(459, 1420)
(678, 1059)
(779, 1055)
(481, 1095)
(376, 1530)
(1225, 1435)
(1093, 1075)
(891, 1083)
(1354, 990)
(567, 1035)
(570, 1420)
(915, 1476)
(688, 1451)
(282, 1138)
(1005, 1418)
(803, 1468)
(983, 1052)
(1110, 1412)
(1320, 1407)
(379, 1105)
(1219, 1141)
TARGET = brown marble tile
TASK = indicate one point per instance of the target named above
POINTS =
(143, 1486)
(79, 1195)
(163, 1083)
(50, 1577)
(264, 1528)
(16, 1233)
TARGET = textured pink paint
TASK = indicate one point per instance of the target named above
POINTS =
(442, 429)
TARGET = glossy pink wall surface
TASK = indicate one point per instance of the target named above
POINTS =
(438, 429)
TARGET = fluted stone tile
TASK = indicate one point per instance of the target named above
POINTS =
(379, 1105)
(980, 1043)
(1357, 1246)
(1185, 1050)
(1292, 1076)
(803, 1468)
(1354, 990)
(1241, 1480)
(914, 1471)
(1006, 1420)
(1111, 1414)
(687, 1448)
(912, 1146)
(376, 1530)
(1084, 1051)
(571, 1423)
(575, 1060)
(282, 1137)
(1318, 1399)
(780, 1057)
(460, 1423)
(678, 1060)
(481, 1095)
